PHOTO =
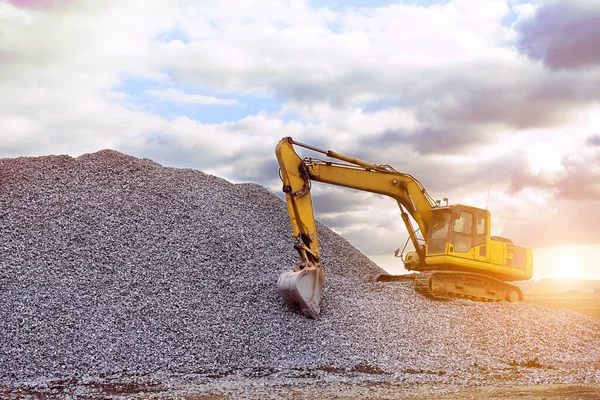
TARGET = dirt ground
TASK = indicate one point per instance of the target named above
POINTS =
(418, 392)
(585, 303)
(549, 392)
(248, 389)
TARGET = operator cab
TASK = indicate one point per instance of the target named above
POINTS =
(456, 232)
(459, 239)
(458, 229)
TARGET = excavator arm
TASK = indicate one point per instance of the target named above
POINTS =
(302, 288)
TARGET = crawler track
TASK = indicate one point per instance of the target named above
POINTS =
(448, 285)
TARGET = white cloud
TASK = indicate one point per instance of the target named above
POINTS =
(63, 63)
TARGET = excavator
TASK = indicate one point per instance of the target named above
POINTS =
(454, 254)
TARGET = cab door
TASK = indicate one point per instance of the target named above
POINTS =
(461, 235)
(481, 227)
(468, 236)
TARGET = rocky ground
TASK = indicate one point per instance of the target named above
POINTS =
(118, 271)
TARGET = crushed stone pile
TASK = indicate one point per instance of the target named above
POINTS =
(111, 264)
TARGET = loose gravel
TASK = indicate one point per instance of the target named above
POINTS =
(116, 266)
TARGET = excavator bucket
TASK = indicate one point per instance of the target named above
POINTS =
(302, 290)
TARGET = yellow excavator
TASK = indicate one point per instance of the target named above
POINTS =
(454, 253)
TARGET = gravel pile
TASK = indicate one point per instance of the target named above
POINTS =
(111, 264)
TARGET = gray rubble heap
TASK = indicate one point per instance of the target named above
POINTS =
(113, 264)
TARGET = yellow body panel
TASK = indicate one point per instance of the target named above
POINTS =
(497, 265)
(499, 271)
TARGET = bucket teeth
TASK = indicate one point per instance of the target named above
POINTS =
(302, 290)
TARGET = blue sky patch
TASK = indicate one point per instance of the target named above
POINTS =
(136, 88)
(173, 34)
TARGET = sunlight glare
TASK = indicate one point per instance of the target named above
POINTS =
(561, 262)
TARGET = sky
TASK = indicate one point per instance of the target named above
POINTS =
(489, 103)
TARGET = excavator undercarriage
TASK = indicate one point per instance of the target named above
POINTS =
(448, 285)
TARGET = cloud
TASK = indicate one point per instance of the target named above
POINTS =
(563, 34)
(334, 200)
(180, 97)
(291, 51)
(371, 222)
(593, 140)
(577, 178)
(431, 139)
(240, 151)
(458, 87)
(56, 85)
(582, 179)
(40, 4)
(567, 222)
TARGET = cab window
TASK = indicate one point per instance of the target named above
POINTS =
(463, 232)
(440, 225)
(480, 226)
(438, 236)
(464, 223)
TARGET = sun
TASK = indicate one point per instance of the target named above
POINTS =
(566, 262)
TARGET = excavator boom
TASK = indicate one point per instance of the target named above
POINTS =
(302, 287)
(456, 256)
